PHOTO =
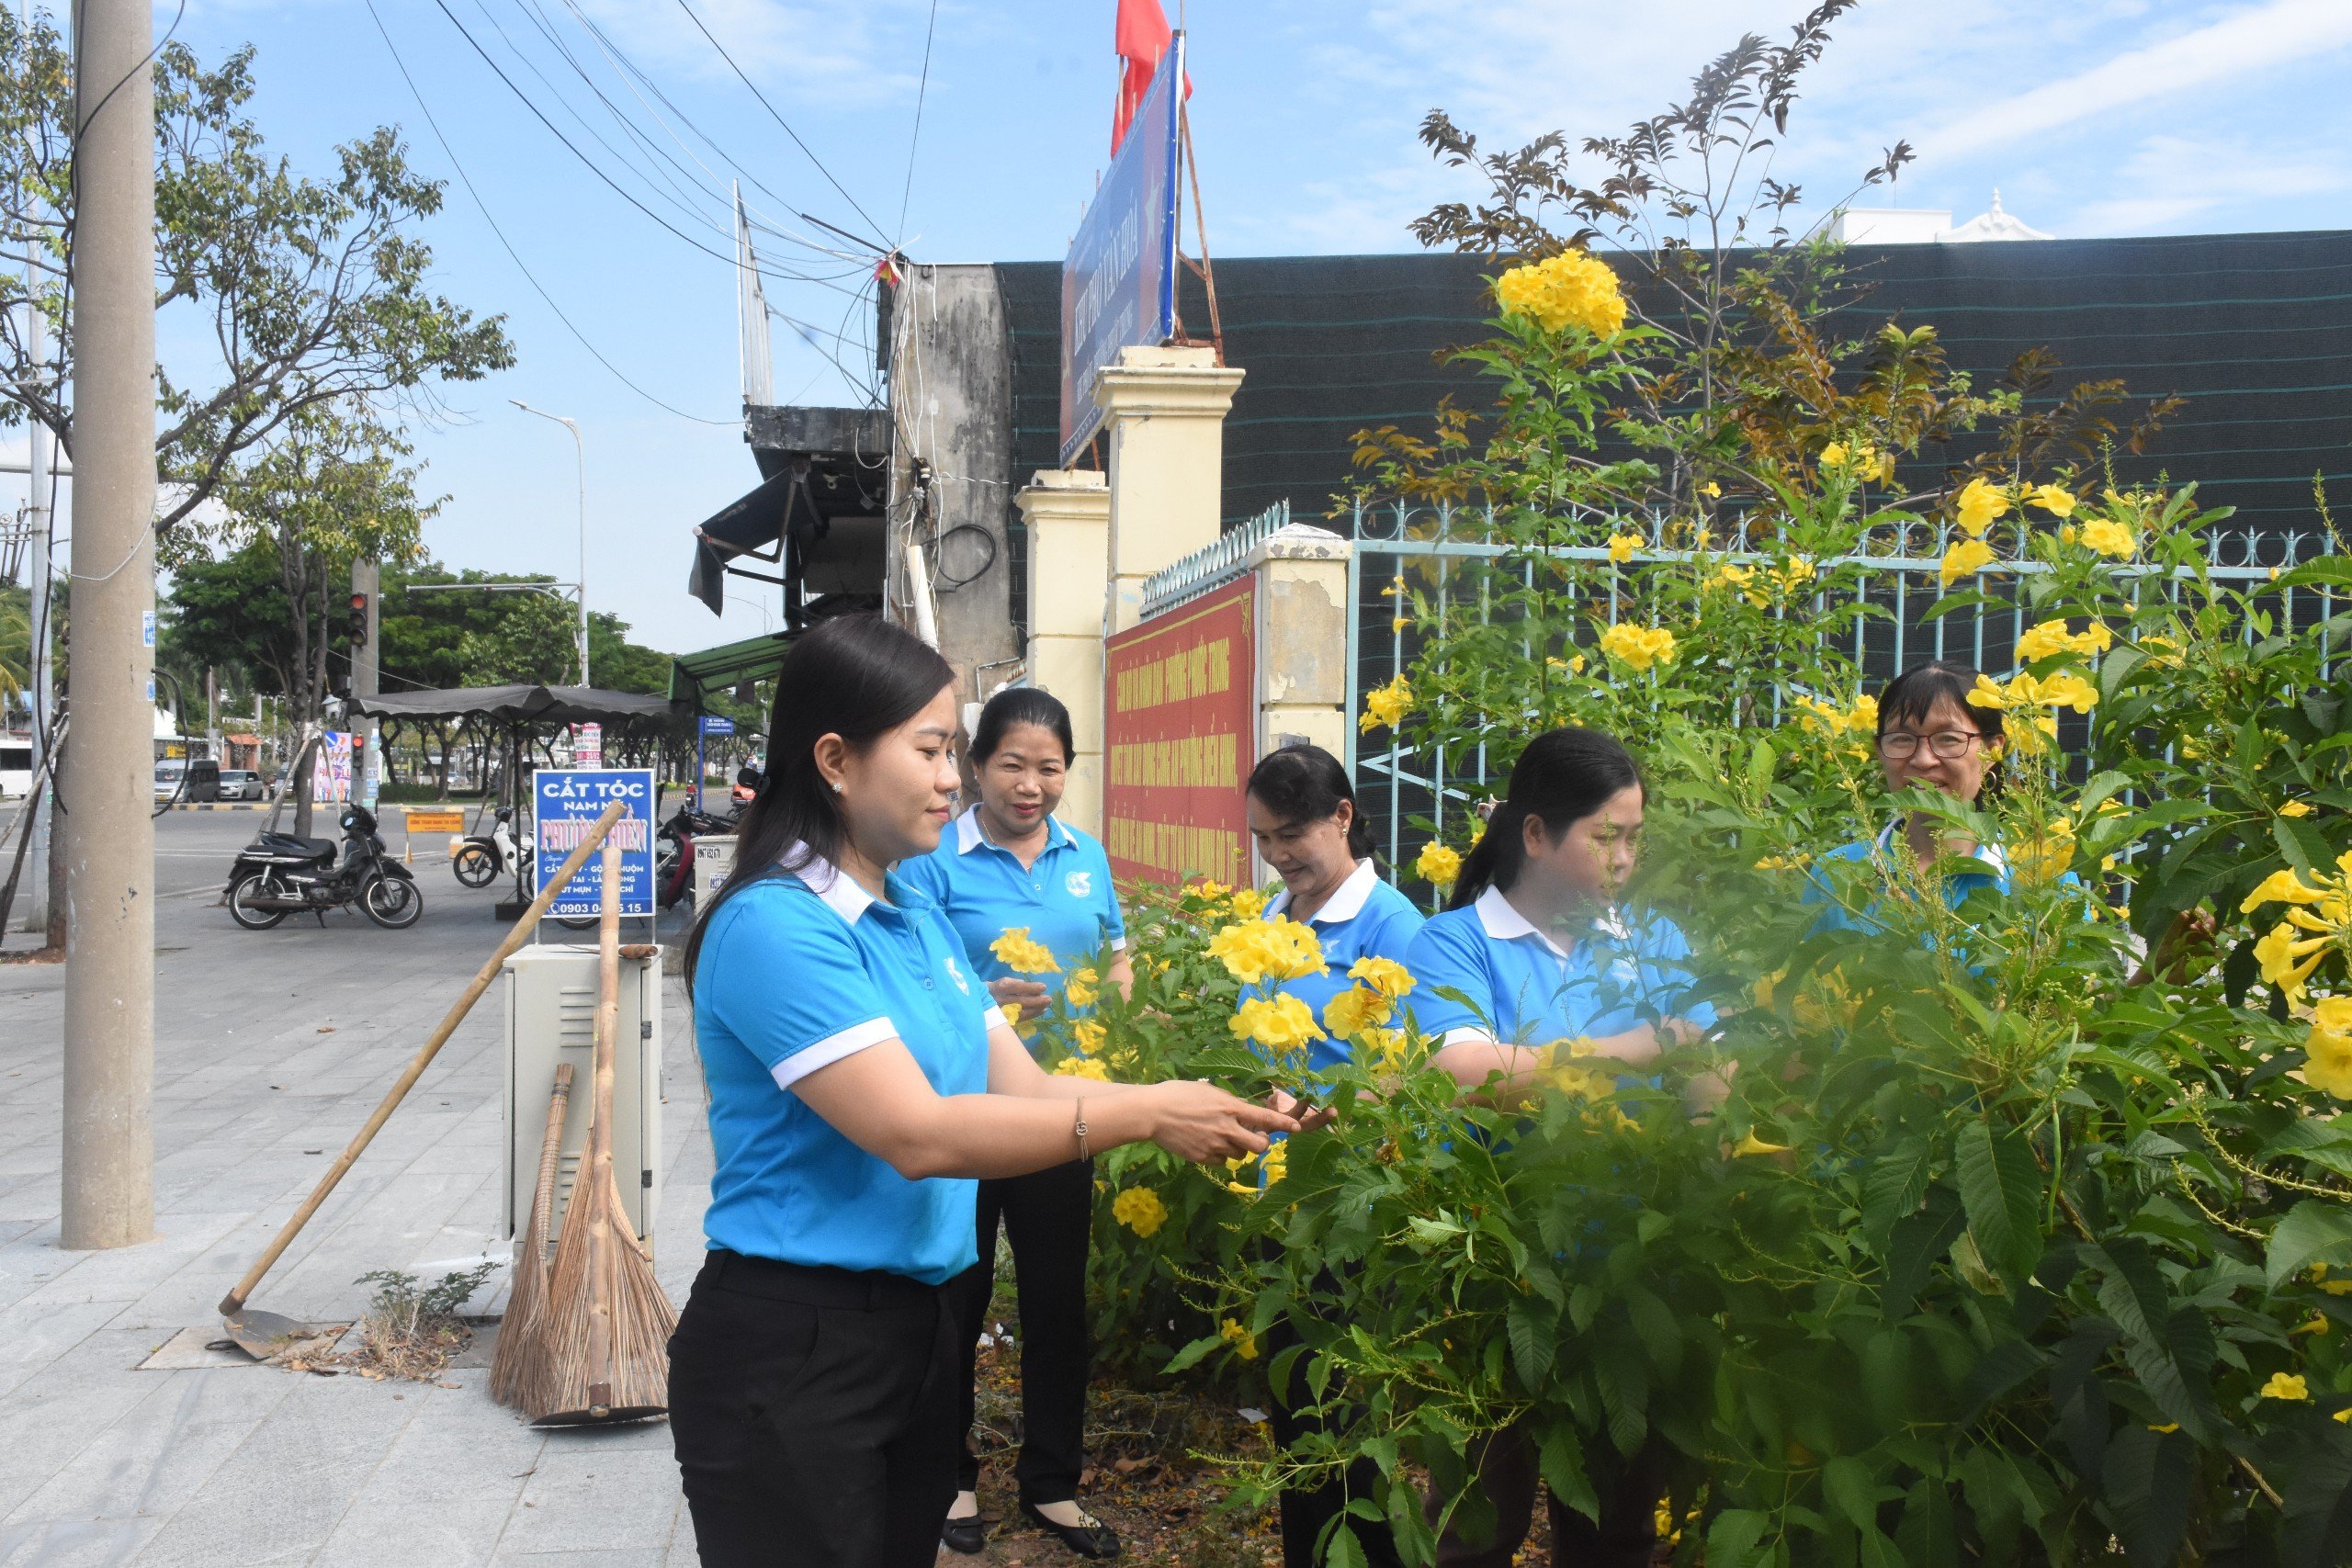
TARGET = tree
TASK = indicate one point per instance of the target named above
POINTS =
(316, 292)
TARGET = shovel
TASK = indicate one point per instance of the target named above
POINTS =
(263, 1335)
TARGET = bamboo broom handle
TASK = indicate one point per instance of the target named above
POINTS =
(600, 1188)
(551, 1157)
(513, 939)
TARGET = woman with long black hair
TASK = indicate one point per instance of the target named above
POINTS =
(1010, 863)
(1551, 971)
(859, 1081)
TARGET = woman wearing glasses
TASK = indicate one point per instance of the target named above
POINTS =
(1927, 734)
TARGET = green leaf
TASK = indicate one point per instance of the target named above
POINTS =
(2001, 1369)
(2316, 1481)
(1846, 1482)
(1190, 1355)
(1895, 1188)
(1344, 1549)
(1918, 1241)
(1732, 1539)
(2305, 849)
(2001, 1187)
(2147, 1487)
(1926, 1533)
(1531, 1345)
(1562, 1459)
(2315, 1231)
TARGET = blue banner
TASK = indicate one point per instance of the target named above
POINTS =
(717, 723)
(1119, 279)
(565, 802)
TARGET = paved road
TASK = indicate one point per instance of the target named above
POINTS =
(271, 1048)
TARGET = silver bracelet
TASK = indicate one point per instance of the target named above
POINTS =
(1078, 1126)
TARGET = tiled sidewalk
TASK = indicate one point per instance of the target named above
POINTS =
(271, 1049)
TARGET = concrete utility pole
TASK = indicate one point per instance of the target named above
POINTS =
(368, 765)
(579, 450)
(109, 836)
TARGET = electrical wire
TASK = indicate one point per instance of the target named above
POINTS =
(467, 180)
(914, 137)
(592, 167)
(779, 119)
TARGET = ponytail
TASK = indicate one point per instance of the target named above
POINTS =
(1562, 778)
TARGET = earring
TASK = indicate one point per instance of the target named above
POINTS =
(837, 786)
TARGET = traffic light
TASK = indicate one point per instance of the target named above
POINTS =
(359, 608)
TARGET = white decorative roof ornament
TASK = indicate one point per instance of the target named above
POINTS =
(1993, 225)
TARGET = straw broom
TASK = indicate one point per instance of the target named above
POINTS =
(604, 1351)
(518, 1337)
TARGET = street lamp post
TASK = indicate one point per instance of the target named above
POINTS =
(579, 450)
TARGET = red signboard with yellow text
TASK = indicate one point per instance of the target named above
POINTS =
(1180, 738)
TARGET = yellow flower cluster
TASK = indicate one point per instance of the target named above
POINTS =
(2109, 538)
(1863, 461)
(1387, 706)
(1140, 1210)
(1363, 1007)
(1080, 992)
(2286, 1385)
(1621, 547)
(1091, 1035)
(1823, 718)
(1439, 865)
(1244, 1343)
(1017, 952)
(1252, 949)
(1569, 290)
(1638, 648)
(1978, 506)
(2056, 499)
(1279, 1023)
(2050, 638)
(1082, 1068)
(1965, 559)
(2035, 700)
(2328, 1049)
(2324, 911)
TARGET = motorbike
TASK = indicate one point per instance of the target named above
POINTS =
(278, 875)
(674, 861)
(482, 857)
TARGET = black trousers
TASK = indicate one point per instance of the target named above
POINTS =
(812, 1411)
(1304, 1512)
(1047, 1216)
(1625, 1537)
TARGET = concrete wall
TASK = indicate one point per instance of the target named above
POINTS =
(951, 407)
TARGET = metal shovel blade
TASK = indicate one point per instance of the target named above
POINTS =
(266, 1334)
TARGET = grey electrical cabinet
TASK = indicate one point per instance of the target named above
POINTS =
(551, 1018)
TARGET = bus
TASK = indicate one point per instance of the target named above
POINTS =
(16, 766)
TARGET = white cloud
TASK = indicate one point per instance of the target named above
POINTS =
(2173, 179)
(2276, 33)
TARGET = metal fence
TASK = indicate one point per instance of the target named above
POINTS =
(1399, 788)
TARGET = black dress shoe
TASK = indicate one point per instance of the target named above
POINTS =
(1092, 1538)
(969, 1537)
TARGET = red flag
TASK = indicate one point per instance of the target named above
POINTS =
(1140, 38)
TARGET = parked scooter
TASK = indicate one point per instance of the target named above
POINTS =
(482, 857)
(674, 861)
(278, 875)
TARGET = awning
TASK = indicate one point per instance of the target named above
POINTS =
(518, 704)
(692, 675)
(744, 526)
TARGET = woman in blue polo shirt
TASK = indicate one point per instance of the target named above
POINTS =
(859, 1080)
(1927, 734)
(1010, 863)
(1303, 817)
(1533, 937)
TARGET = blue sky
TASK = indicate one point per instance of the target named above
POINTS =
(2097, 117)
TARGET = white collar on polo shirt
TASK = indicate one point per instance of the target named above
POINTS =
(1340, 906)
(968, 836)
(841, 893)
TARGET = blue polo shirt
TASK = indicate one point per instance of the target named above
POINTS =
(1065, 900)
(1956, 887)
(1532, 992)
(796, 971)
(1365, 919)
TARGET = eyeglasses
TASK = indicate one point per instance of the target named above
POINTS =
(1900, 744)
